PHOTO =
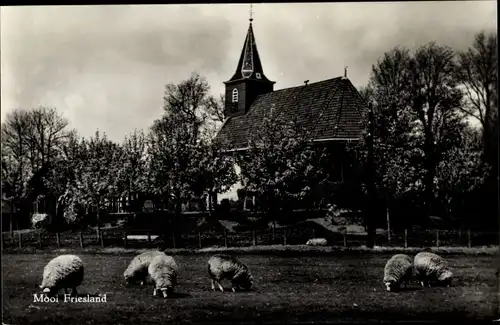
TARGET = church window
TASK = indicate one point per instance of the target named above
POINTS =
(235, 95)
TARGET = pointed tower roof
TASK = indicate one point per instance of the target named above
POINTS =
(249, 65)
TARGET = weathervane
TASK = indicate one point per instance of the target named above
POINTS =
(251, 12)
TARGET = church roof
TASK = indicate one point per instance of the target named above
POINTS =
(249, 65)
(331, 109)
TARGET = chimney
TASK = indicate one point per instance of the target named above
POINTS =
(306, 82)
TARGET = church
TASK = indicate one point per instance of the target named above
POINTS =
(331, 109)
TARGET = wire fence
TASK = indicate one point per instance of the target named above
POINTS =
(285, 236)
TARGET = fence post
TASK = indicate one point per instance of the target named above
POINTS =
(388, 226)
(80, 235)
(406, 238)
(125, 239)
(468, 238)
(199, 239)
(40, 238)
(58, 240)
(20, 239)
(254, 239)
(273, 238)
(149, 238)
(314, 235)
(225, 238)
(345, 238)
(173, 238)
(437, 238)
(101, 237)
(284, 236)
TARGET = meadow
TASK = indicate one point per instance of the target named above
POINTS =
(335, 287)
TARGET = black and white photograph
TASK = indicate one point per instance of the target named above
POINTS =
(250, 163)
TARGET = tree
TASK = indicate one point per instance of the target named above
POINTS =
(279, 165)
(179, 147)
(417, 125)
(434, 98)
(392, 169)
(46, 133)
(134, 174)
(459, 176)
(31, 141)
(61, 179)
(477, 71)
(214, 116)
(217, 173)
(15, 167)
(97, 174)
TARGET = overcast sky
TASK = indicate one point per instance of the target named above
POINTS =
(106, 66)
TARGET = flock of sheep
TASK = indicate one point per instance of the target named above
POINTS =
(66, 271)
(429, 268)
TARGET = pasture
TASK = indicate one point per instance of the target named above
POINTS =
(333, 288)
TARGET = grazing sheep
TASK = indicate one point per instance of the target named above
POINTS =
(64, 271)
(137, 270)
(228, 267)
(317, 242)
(398, 270)
(163, 271)
(430, 267)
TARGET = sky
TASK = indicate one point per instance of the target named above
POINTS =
(105, 67)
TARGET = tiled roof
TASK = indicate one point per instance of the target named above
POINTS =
(331, 109)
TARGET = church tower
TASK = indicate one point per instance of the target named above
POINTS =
(248, 81)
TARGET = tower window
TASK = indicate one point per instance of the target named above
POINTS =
(235, 95)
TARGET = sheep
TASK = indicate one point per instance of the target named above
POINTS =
(431, 267)
(398, 270)
(163, 271)
(64, 271)
(317, 242)
(137, 270)
(228, 267)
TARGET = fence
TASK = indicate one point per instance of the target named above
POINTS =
(284, 236)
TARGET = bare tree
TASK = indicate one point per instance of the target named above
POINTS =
(46, 133)
(477, 71)
(434, 98)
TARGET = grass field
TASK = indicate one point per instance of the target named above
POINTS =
(334, 288)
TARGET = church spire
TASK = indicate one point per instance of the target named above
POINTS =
(249, 65)
(248, 81)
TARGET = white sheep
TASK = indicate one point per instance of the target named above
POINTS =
(430, 267)
(398, 270)
(137, 270)
(64, 271)
(317, 242)
(228, 267)
(163, 271)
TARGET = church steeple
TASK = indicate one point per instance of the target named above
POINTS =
(249, 65)
(248, 80)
